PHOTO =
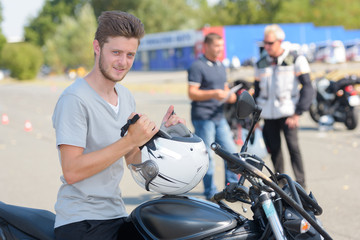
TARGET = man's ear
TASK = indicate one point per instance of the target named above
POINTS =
(96, 46)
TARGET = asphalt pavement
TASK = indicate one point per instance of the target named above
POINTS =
(30, 170)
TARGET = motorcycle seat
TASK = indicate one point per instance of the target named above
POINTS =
(37, 223)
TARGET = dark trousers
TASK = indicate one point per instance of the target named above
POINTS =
(114, 229)
(271, 132)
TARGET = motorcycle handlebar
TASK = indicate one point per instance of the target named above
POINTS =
(218, 196)
(231, 158)
(235, 160)
(233, 192)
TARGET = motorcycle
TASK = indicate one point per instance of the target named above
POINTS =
(336, 101)
(280, 211)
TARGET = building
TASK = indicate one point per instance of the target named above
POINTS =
(176, 50)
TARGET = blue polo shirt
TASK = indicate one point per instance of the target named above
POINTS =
(208, 75)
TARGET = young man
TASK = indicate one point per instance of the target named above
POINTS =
(208, 89)
(277, 77)
(88, 119)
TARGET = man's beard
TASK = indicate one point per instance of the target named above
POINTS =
(105, 73)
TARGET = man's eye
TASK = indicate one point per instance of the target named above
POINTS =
(116, 52)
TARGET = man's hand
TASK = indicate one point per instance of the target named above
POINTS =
(220, 94)
(141, 131)
(197, 94)
(293, 121)
(225, 95)
(171, 118)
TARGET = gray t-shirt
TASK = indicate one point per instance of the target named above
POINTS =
(82, 118)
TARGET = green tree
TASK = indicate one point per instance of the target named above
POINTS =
(159, 16)
(2, 41)
(319, 12)
(71, 44)
(2, 37)
(24, 60)
(108, 5)
(166, 15)
(332, 12)
(235, 12)
(44, 25)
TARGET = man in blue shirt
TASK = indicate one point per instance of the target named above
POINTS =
(208, 90)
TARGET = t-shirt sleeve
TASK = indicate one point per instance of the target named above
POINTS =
(194, 74)
(301, 65)
(70, 121)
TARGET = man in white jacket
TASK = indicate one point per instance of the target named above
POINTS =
(277, 77)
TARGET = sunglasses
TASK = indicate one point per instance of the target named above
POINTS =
(269, 43)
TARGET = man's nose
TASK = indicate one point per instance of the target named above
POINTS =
(121, 59)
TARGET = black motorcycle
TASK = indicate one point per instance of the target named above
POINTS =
(280, 211)
(336, 101)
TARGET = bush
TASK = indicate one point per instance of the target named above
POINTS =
(24, 60)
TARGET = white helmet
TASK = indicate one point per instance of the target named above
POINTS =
(173, 162)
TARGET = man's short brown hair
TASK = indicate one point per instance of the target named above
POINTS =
(118, 24)
(209, 38)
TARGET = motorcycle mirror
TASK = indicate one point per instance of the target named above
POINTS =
(245, 105)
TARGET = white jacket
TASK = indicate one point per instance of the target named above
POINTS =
(279, 85)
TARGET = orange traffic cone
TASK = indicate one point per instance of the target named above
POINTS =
(4, 119)
(28, 126)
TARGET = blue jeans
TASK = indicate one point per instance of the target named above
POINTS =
(210, 131)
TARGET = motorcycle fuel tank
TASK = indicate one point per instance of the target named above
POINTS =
(174, 217)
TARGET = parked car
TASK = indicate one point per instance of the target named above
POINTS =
(353, 51)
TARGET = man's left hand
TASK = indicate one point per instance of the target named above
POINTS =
(171, 118)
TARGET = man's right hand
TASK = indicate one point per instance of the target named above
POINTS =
(141, 131)
(220, 94)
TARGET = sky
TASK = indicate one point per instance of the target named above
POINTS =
(16, 14)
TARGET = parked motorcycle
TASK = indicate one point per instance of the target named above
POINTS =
(336, 101)
(286, 212)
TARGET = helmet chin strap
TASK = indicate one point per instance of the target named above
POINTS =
(149, 169)
(130, 121)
